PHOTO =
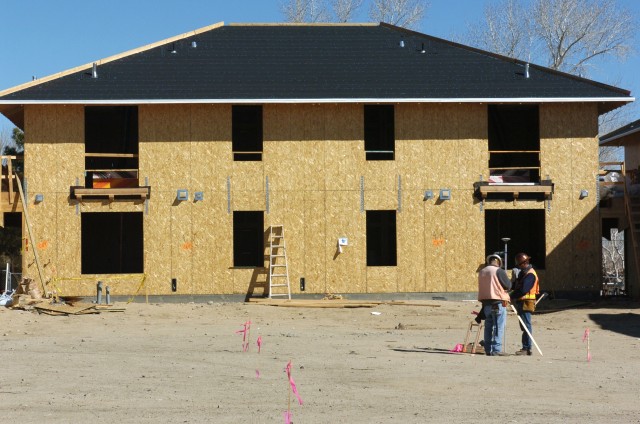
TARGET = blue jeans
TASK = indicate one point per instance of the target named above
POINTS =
(494, 327)
(526, 318)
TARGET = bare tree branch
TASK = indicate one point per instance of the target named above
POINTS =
(506, 30)
(574, 32)
(298, 11)
(345, 9)
(404, 13)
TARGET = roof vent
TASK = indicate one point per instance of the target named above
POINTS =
(173, 49)
(526, 70)
(422, 50)
(94, 70)
(194, 44)
(402, 43)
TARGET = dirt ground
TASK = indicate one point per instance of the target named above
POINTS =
(184, 363)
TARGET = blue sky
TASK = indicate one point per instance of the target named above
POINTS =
(42, 37)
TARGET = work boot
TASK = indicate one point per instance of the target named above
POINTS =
(499, 354)
(522, 352)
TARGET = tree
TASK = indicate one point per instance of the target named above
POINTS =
(567, 35)
(344, 10)
(298, 11)
(506, 30)
(17, 138)
(404, 13)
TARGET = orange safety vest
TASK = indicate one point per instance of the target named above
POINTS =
(534, 290)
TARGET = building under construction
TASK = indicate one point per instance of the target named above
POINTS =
(389, 160)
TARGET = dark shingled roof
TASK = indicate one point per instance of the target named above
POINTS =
(306, 62)
(621, 132)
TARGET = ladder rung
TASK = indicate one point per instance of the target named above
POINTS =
(277, 245)
(278, 275)
(272, 265)
(278, 285)
(279, 294)
(278, 256)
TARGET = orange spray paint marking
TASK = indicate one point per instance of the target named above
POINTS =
(187, 245)
(43, 244)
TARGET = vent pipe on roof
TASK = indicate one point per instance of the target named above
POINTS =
(94, 70)
(402, 43)
(423, 50)
(194, 44)
(526, 70)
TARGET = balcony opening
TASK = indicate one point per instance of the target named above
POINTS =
(514, 144)
(111, 147)
(379, 132)
(112, 243)
(246, 132)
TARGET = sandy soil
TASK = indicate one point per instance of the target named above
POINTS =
(184, 363)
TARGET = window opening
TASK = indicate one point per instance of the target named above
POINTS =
(381, 238)
(379, 132)
(112, 243)
(525, 228)
(514, 144)
(246, 132)
(111, 146)
(248, 238)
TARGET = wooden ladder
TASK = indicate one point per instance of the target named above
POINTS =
(278, 268)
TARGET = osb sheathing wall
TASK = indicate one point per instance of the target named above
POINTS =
(568, 140)
(314, 162)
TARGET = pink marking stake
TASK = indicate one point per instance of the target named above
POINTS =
(294, 389)
(259, 343)
(245, 335)
(586, 338)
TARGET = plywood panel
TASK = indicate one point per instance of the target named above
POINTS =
(410, 229)
(345, 271)
(380, 175)
(55, 133)
(344, 153)
(315, 254)
(165, 148)
(42, 217)
(380, 199)
(560, 242)
(465, 239)
(293, 222)
(68, 239)
(436, 245)
(210, 147)
(382, 279)
(157, 243)
(245, 200)
(247, 176)
(181, 246)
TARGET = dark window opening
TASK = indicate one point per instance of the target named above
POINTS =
(379, 132)
(514, 143)
(111, 146)
(381, 238)
(248, 238)
(246, 133)
(525, 228)
(608, 224)
(11, 244)
(112, 243)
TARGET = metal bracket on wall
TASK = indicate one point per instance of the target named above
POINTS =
(598, 193)
(548, 198)
(267, 194)
(228, 194)
(361, 193)
(77, 202)
(399, 193)
(481, 201)
(146, 201)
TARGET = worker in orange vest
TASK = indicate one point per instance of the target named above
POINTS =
(524, 297)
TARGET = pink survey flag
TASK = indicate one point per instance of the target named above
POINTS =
(294, 389)
(245, 335)
(287, 417)
(259, 343)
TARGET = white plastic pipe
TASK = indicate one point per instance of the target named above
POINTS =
(6, 279)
